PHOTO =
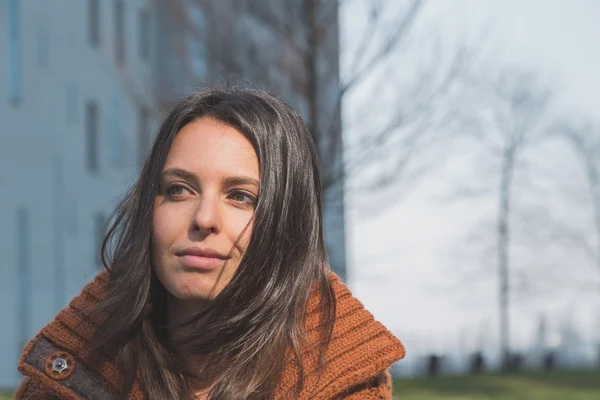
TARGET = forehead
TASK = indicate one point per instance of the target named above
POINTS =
(207, 145)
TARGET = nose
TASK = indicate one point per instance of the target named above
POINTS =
(206, 217)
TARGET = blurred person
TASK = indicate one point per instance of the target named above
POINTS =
(216, 284)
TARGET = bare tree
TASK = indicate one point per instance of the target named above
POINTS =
(293, 47)
(509, 116)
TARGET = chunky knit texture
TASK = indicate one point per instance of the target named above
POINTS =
(356, 364)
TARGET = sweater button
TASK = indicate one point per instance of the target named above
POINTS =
(59, 365)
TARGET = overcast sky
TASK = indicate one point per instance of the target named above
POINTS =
(401, 262)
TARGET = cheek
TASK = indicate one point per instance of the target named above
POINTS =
(163, 230)
(243, 231)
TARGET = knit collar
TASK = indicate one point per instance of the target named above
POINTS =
(359, 350)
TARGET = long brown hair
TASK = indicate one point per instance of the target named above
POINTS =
(256, 322)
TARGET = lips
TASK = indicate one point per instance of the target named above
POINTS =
(204, 259)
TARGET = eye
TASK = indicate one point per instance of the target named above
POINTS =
(176, 191)
(242, 198)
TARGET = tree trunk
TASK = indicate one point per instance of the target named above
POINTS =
(503, 232)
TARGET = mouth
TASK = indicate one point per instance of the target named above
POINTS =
(203, 259)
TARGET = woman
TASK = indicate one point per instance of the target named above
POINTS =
(216, 283)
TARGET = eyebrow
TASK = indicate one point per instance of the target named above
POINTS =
(227, 181)
(240, 181)
(181, 173)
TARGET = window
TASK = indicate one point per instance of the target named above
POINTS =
(99, 226)
(91, 125)
(15, 66)
(116, 140)
(23, 238)
(143, 133)
(120, 32)
(94, 22)
(197, 48)
(144, 35)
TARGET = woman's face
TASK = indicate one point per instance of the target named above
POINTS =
(203, 212)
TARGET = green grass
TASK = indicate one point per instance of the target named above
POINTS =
(534, 385)
(572, 385)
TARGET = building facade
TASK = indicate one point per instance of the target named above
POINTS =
(76, 105)
(82, 86)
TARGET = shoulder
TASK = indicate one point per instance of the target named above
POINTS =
(56, 361)
(356, 332)
(358, 355)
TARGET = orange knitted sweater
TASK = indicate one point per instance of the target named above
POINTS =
(55, 363)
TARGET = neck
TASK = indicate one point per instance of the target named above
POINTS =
(179, 314)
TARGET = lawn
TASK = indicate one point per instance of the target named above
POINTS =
(530, 386)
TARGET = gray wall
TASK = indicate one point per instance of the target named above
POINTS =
(50, 202)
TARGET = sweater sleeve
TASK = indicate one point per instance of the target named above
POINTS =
(32, 389)
(378, 388)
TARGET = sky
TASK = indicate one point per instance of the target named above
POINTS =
(407, 265)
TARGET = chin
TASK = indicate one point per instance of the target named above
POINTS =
(192, 288)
